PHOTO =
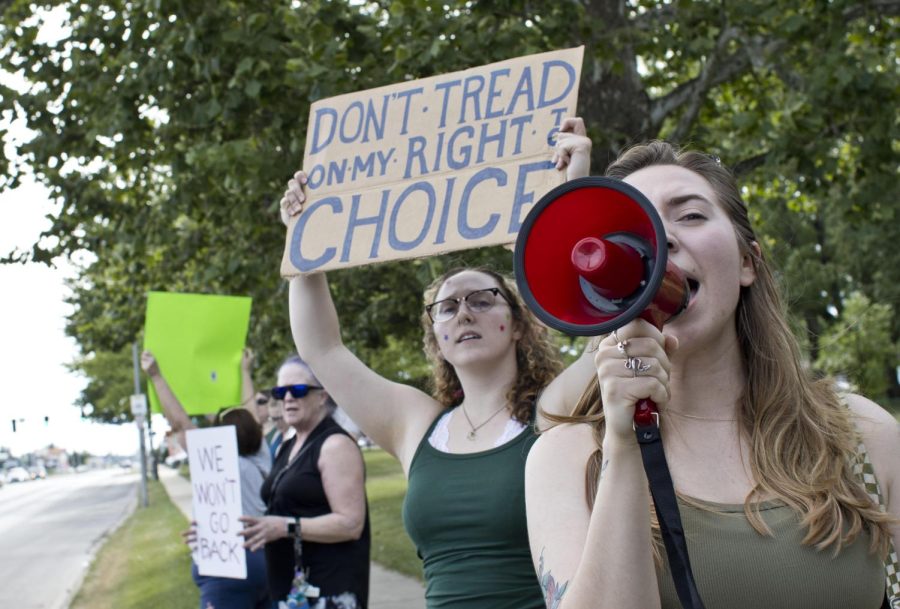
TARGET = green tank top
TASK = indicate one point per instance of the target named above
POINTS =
(737, 568)
(466, 516)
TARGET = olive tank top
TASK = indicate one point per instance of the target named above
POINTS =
(737, 568)
(466, 515)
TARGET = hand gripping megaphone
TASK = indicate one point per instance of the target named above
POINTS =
(591, 256)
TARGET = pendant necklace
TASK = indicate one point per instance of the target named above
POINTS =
(472, 435)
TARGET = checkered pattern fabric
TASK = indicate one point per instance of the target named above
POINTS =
(862, 467)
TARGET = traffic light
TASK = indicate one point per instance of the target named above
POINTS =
(46, 421)
(14, 425)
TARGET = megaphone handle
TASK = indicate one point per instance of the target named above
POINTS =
(646, 413)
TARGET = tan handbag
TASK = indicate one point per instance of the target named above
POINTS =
(862, 467)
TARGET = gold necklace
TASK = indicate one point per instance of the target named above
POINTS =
(472, 435)
(693, 416)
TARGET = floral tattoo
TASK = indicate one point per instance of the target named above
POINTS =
(553, 592)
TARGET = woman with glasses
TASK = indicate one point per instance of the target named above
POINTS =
(254, 464)
(315, 499)
(463, 448)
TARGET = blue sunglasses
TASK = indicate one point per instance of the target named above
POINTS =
(298, 391)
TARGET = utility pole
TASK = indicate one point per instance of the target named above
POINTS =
(139, 410)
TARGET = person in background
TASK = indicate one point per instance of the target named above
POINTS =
(254, 463)
(315, 497)
(280, 429)
(261, 402)
(761, 454)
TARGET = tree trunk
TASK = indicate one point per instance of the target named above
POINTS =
(612, 98)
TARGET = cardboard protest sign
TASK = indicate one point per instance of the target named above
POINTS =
(216, 482)
(433, 165)
(197, 340)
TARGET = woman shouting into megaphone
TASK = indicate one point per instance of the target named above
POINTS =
(762, 456)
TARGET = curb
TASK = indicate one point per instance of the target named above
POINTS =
(91, 555)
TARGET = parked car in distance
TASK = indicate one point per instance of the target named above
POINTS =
(37, 472)
(18, 474)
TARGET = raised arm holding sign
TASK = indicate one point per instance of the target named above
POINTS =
(491, 360)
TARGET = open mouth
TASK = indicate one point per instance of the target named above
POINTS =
(468, 336)
(693, 286)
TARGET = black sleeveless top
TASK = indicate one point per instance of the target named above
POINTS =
(335, 568)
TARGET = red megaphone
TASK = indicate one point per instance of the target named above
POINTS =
(591, 256)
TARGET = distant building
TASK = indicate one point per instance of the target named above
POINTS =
(54, 458)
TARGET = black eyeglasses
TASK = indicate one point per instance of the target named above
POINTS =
(298, 391)
(478, 301)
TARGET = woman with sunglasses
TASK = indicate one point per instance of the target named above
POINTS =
(463, 448)
(315, 499)
(254, 464)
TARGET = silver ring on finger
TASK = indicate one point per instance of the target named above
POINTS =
(636, 366)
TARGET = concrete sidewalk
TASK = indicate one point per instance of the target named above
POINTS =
(387, 589)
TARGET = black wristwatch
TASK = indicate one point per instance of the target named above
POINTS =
(293, 527)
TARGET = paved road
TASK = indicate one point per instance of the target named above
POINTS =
(50, 529)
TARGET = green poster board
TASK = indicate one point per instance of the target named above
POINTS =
(197, 340)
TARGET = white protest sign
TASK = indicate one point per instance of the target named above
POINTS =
(216, 482)
(428, 166)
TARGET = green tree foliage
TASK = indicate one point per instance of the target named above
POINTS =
(859, 346)
(167, 130)
(110, 379)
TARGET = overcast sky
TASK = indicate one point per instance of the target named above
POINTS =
(34, 351)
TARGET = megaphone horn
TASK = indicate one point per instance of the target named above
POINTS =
(591, 256)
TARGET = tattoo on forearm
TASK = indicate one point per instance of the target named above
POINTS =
(551, 589)
(602, 469)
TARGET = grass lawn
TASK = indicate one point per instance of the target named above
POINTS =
(143, 565)
(386, 486)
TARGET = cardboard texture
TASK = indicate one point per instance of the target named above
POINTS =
(197, 340)
(429, 166)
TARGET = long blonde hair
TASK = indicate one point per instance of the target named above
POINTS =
(537, 361)
(802, 438)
